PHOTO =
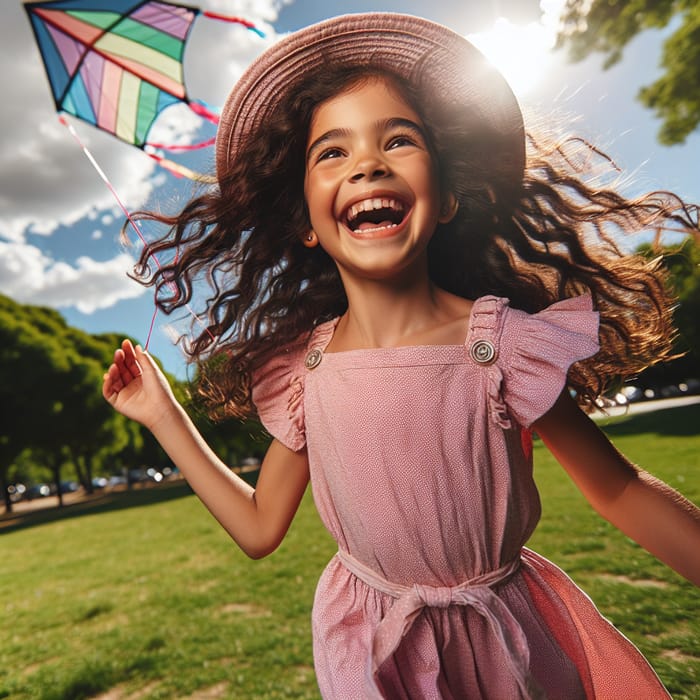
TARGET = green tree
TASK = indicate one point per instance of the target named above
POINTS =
(50, 379)
(607, 26)
(683, 263)
(29, 362)
(104, 431)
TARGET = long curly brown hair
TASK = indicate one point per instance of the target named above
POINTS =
(537, 236)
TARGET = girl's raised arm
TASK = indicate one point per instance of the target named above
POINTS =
(257, 519)
(643, 507)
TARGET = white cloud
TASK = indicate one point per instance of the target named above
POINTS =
(31, 277)
(218, 52)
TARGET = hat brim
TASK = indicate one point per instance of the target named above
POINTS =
(425, 53)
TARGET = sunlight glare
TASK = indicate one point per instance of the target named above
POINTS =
(523, 54)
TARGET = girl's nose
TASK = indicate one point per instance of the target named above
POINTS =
(369, 168)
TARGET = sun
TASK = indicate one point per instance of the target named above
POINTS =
(523, 54)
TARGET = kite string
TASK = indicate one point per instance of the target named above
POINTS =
(134, 225)
(102, 174)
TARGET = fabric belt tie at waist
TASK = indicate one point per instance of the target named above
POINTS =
(476, 592)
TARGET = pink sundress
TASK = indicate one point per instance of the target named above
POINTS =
(421, 469)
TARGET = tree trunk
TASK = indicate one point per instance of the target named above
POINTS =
(56, 470)
(88, 461)
(6, 493)
(83, 470)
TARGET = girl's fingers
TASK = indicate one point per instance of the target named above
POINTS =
(126, 363)
(130, 355)
(115, 378)
(121, 372)
(112, 383)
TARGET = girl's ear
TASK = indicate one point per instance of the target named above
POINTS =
(448, 209)
(310, 239)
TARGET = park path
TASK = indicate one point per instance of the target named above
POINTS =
(647, 406)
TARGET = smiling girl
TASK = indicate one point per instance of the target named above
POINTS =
(402, 294)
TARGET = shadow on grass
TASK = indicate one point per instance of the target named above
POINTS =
(683, 421)
(102, 503)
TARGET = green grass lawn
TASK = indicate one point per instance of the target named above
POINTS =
(142, 595)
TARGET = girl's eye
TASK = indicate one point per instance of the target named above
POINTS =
(329, 153)
(400, 140)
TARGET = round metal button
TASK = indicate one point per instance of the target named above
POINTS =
(483, 352)
(313, 359)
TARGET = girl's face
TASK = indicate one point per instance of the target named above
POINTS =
(371, 186)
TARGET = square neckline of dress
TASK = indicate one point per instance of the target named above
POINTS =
(323, 334)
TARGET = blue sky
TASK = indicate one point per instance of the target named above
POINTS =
(59, 224)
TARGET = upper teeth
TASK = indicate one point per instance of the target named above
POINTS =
(374, 203)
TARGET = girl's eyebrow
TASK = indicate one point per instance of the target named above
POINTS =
(402, 123)
(382, 125)
(327, 136)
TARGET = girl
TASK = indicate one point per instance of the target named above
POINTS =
(403, 294)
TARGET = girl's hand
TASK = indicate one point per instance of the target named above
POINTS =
(135, 386)
(257, 519)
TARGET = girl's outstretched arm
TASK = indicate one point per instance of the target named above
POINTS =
(257, 519)
(643, 507)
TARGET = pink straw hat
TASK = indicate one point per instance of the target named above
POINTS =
(438, 61)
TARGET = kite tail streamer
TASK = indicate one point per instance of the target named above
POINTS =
(180, 170)
(182, 146)
(237, 20)
(117, 198)
(204, 111)
(131, 221)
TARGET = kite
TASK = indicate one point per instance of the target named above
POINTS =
(117, 64)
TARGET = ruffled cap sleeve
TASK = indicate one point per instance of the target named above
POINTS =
(278, 389)
(541, 348)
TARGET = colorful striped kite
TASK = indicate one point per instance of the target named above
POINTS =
(117, 64)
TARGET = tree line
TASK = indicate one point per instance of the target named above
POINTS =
(56, 424)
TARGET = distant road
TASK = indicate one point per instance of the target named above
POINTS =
(648, 406)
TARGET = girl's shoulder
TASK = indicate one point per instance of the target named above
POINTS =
(278, 385)
(528, 355)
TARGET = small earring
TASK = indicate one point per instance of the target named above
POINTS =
(310, 240)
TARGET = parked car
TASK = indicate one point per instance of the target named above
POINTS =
(99, 482)
(629, 394)
(69, 486)
(38, 491)
(17, 492)
(689, 387)
(154, 475)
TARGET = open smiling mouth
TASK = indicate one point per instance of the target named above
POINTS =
(375, 214)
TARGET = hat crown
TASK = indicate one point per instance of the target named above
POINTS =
(438, 61)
